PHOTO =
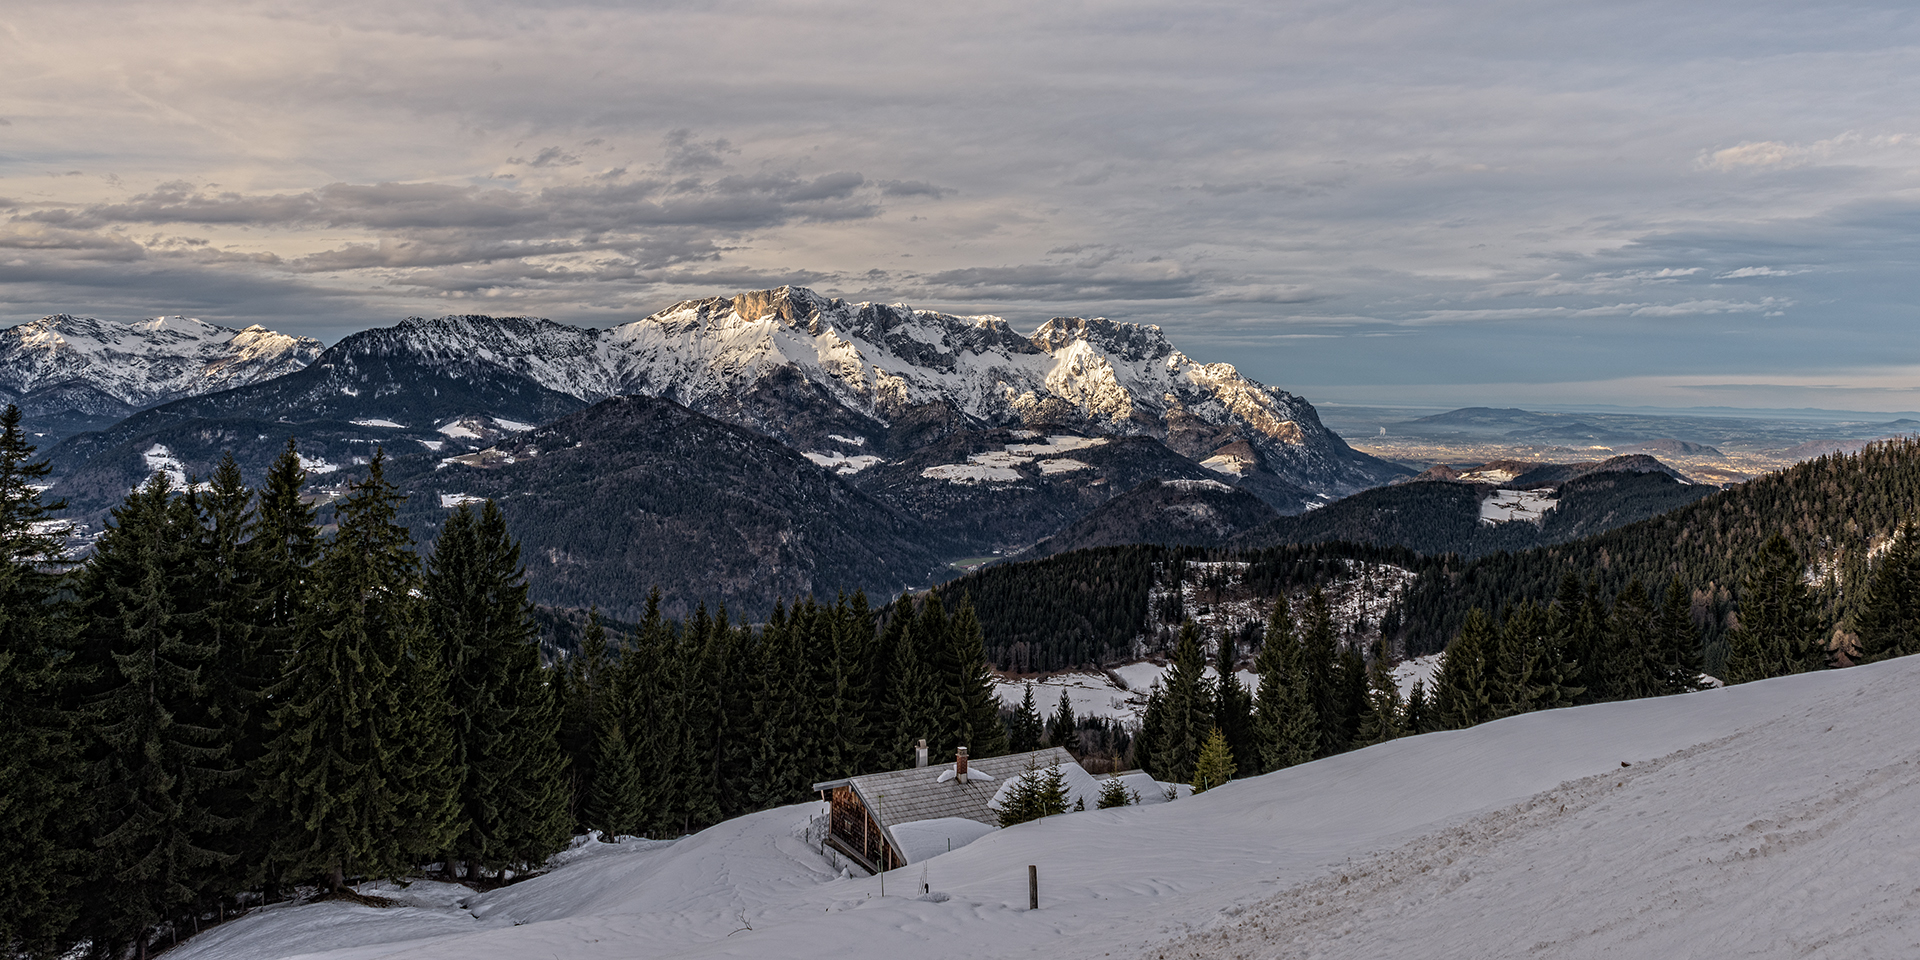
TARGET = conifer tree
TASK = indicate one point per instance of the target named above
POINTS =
(1544, 675)
(586, 681)
(38, 771)
(1019, 804)
(916, 707)
(1188, 709)
(972, 703)
(1779, 631)
(1113, 793)
(1287, 727)
(229, 623)
(157, 754)
(1462, 696)
(1634, 655)
(645, 706)
(1025, 731)
(1064, 731)
(278, 558)
(341, 722)
(1153, 729)
(1350, 680)
(707, 668)
(1384, 719)
(778, 709)
(843, 704)
(505, 755)
(1232, 704)
(1419, 711)
(1320, 663)
(1215, 764)
(613, 806)
(882, 722)
(1888, 624)
(1680, 658)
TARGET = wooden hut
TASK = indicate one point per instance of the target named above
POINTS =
(866, 809)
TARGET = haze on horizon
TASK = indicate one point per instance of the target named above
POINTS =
(1453, 203)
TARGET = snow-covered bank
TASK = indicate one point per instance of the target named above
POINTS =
(1769, 818)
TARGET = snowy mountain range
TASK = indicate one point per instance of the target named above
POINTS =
(843, 379)
(984, 439)
(70, 372)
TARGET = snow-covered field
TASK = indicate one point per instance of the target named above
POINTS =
(1769, 819)
(841, 463)
(1507, 505)
(1002, 466)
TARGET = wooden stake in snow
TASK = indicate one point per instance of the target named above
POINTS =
(1033, 886)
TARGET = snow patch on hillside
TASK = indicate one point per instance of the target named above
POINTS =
(159, 459)
(378, 422)
(1422, 669)
(314, 466)
(1191, 485)
(1508, 505)
(449, 501)
(841, 463)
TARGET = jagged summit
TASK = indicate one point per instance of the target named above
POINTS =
(65, 369)
(918, 374)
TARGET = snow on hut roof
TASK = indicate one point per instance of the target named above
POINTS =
(917, 793)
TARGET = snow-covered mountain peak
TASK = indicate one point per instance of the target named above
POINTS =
(144, 363)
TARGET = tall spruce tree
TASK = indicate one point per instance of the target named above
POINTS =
(916, 701)
(230, 622)
(1189, 709)
(278, 559)
(1419, 710)
(779, 709)
(1320, 663)
(1024, 732)
(1232, 704)
(1634, 654)
(1462, 689)
(1385, 718)
(1680, 658)
(38, 767)
(157, 754)
(1779, 630)
(1064, 729)
(337, 762)
(505, 755)
(972, 703)
(1287, 729)
(1888, 624)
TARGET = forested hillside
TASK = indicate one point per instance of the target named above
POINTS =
(1442, 517)
(1097, 607)
(1836, 512)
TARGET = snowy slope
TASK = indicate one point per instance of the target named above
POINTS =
(146, 363)
(1769, 819)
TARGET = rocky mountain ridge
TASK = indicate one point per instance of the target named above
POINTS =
(70, 373)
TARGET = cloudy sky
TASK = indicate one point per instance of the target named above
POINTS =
(1448, 202)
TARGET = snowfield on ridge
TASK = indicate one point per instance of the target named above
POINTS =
(1773, 818)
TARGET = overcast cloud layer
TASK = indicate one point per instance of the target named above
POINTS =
(1451, 202)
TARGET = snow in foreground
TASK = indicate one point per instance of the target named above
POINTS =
(1774, 818)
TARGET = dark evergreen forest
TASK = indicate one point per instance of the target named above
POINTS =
(221, 707)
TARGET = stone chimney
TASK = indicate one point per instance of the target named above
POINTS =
(960, 765)
(920, 753)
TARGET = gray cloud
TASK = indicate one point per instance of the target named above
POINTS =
(1447, 196)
